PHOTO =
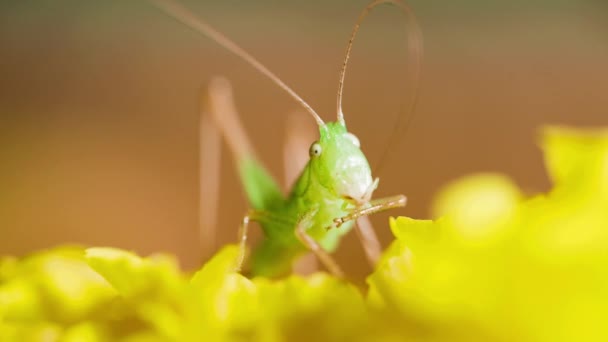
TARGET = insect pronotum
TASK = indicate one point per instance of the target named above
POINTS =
(332, 191)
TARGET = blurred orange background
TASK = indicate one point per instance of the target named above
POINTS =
(99, 106)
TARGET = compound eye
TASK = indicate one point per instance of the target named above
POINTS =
(315, 150)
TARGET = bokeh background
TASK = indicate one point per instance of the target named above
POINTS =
(99, 106)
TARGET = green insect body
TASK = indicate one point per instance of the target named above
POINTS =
(333, 190)
(334, 179)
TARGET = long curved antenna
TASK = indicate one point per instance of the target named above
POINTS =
(183, 15)
(415, 48)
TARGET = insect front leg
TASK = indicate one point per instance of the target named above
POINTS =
(252, 215)
(304, 224)
(375, 206)
(364, 229)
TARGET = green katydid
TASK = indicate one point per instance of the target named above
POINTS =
(332, 191)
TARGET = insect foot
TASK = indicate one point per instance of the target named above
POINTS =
(337, 223)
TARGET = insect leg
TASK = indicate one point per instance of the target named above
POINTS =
(375, 206)
(226, 118)
(218, 118)
(369, 240)
(261, 217)
(364, 229)
(260, 187)
(252, 215)
(209, 175)
(243, 232)
(313, 246)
